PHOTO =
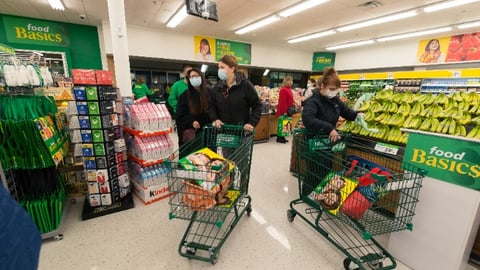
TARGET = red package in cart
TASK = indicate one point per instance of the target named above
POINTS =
(355, 205)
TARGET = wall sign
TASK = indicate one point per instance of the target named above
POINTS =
(451, 160)
(322, 60)
(6, 49)
(241, 51)
(35, 32)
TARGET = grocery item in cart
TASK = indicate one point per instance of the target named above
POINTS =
(332, 191)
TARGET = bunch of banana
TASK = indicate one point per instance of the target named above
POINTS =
(447, 126)
(413, 122)
(396, 120)
(407, 97)
(385, 94)
(458, 96)
(394, 135)
(442, 99)
(404, 138)
(465, 119)
(427, 124)
(375, 107)
(397, 97)
(460, 131)
(369, 116)
(475, 109)
(462, 105)
(418, 109)
(476, 121)
(453, 112)
(383, 130)
(404, 109)
(472, 97)
(346, 126)
(365, 105)
(434, 124)
(434, 110)
(426, 99)
(383, 117)
(474, 133)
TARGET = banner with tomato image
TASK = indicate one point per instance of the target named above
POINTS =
(458, 48)
(464, 47)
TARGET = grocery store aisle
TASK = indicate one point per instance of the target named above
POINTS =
(144, 237)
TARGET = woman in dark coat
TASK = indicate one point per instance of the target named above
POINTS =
(192, 107)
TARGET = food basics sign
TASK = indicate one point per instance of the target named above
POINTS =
(35, 32)
(452, 160)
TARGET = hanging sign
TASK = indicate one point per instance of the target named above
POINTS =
(35, 32)
(448, 159)
(323, 60)
(241, 51)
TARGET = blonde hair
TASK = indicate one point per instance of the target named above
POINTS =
(286, 80)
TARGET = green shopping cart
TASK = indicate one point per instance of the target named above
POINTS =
(212, 197)
(349, 192)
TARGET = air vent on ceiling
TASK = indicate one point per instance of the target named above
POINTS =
(370, 4)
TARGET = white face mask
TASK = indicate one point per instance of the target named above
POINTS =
(331, 93)
(309, 85)
(222, 74)
(196, 81)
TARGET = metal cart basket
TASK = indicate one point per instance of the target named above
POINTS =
(349, 192)
(211, 222)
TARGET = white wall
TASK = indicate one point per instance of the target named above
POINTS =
(149, 42)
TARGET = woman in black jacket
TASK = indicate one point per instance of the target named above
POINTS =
(192, 107)
(234, 99)
(320, 114)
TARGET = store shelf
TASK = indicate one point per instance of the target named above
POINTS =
(139, 133)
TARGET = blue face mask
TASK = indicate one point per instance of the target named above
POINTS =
(222, 74)
(196, 81)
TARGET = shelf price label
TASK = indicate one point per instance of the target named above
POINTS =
(457, 74)
(387, 148)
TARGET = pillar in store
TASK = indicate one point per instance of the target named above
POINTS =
(118, 32)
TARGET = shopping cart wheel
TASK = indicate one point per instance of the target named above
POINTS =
(249, 210)
(349, 265)
(190, 251)
(291, 215)
(214, 257)
(58, 237)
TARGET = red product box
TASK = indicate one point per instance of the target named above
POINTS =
(104, 77)
(84, 76)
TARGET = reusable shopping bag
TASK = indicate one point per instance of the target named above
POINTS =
(284, 126)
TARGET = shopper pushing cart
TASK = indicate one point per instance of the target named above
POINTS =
(210, 190)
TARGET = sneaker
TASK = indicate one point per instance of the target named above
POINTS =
(281, 140)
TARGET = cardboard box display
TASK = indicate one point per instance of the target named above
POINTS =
(91, 93)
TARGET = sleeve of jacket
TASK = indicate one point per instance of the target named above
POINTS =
(347, 112)
(310, 118)
(212, 105)
(172, 98)
(255, 104)
(183, 117)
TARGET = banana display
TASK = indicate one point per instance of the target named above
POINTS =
(456, 114)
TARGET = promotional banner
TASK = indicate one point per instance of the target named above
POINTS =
(35, 32)
(448, 159)
(204, 48)
(241, 51)
(321, 60)
(459, 48)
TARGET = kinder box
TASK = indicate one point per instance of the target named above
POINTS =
(151, 194)
(207, 168)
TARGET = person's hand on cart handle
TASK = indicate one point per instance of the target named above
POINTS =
(217, 123)
(196, 125)
(334, 136)
(248, 127)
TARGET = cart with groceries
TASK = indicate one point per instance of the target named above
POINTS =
(209, 179)
(349, 192)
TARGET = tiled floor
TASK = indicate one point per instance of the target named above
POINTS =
(145, 238)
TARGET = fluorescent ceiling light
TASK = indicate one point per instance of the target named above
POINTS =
(204, 68)
(300, 7)
(380, 20)
(257, 25)
(468, 25)
(312, 36)
(415, 34)
(353, 44)
(265, 73)
(178, 17)
(447, 4)
(56, 4)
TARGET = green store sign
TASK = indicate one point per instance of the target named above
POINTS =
(451, 160)
(35, 32)
(321, 60)
(6, 49)
(241, 51)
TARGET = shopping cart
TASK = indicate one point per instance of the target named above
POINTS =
(210, 223)
(349, 193)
